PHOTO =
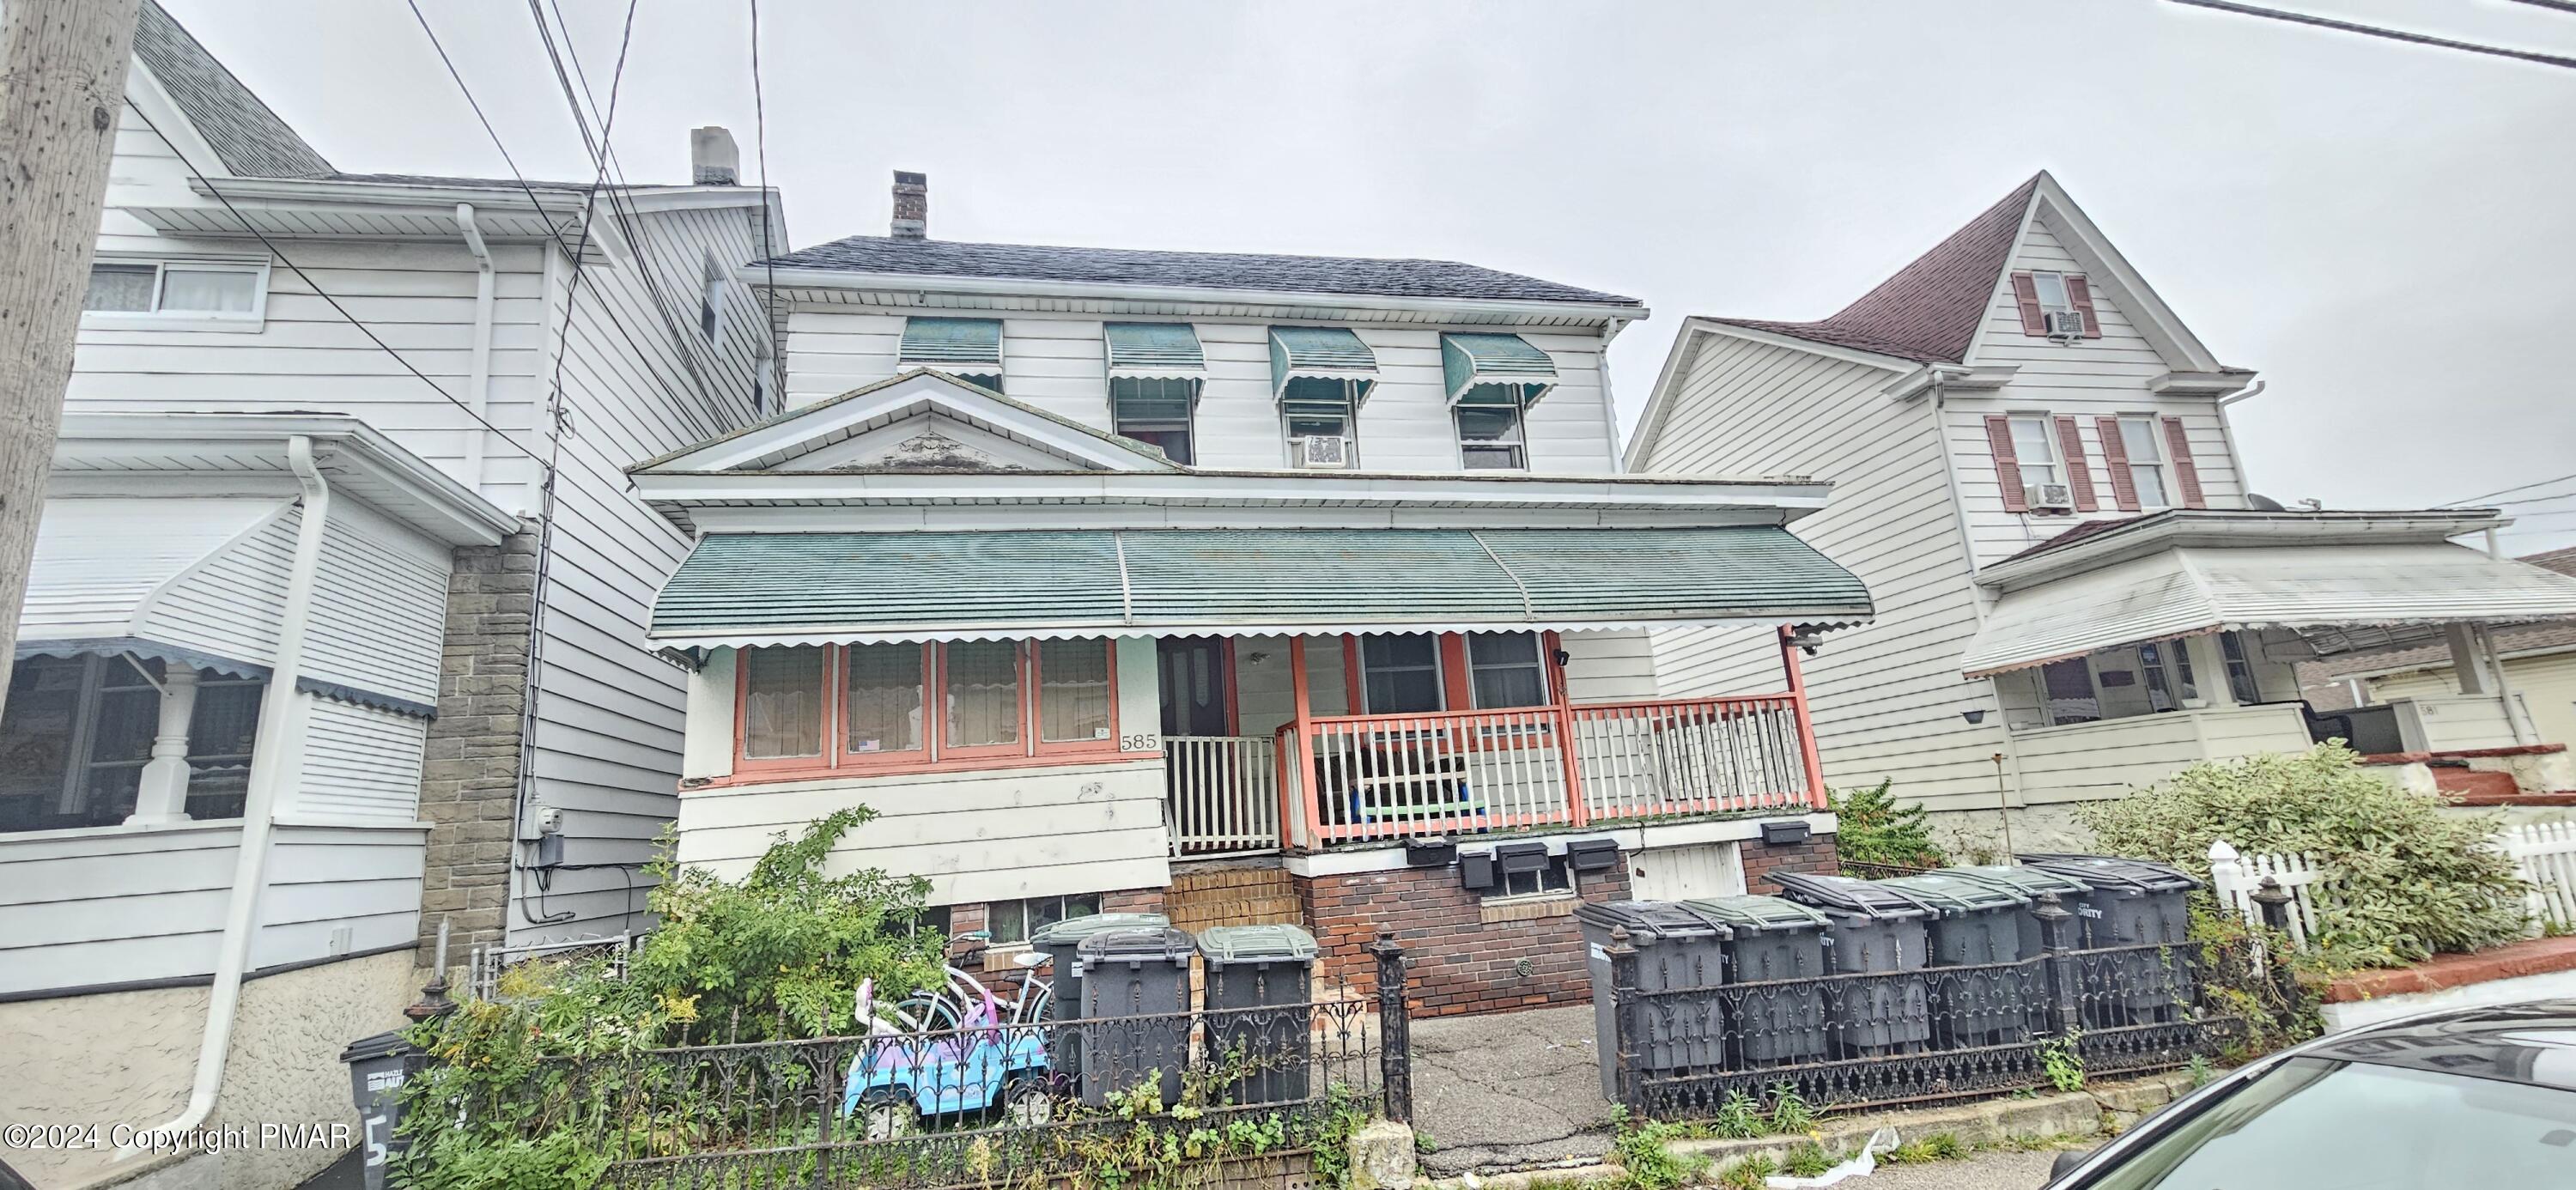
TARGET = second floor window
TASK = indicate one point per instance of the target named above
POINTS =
(2035, 450)
(1155, 411)
(967, 348)
(1320, 409)
(173, 287)
(2146, 462)
(1490, 439)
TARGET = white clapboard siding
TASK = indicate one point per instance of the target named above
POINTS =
(359, 762)
(2545, 682)
(976, 835)
(100, 563)
(1610, 666)
(232, 603)
(1886, 696)
(1058, 363)
(379, 606)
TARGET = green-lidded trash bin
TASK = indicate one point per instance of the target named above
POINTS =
(1260, 1011)
(1877, 931)
(1980, 929)
(1771, 1023)
(378, 1066)
(1136, 1018)
(1678, 950)
(1059, 941)
(2130, 902)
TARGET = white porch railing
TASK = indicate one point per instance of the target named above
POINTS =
(2543, 855)
(1223, 794)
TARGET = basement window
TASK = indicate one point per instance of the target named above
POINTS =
(1014, 921)
(1555, 877)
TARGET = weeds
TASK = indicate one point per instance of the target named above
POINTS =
(2063, 1062)
(1790, 1111)
(1749, 1173)
(1643, 1149)
(1809, 1160)
(1738, 1118)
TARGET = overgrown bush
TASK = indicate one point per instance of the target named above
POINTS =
(1876, 830)
(2410, 880)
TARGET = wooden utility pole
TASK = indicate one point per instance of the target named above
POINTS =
(62, 87)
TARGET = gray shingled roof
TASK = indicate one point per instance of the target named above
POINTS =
(1207, 270)
(252, 141)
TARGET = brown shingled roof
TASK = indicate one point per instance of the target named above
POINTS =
(1929, 310)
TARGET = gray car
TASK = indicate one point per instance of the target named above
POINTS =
(2479, 1098)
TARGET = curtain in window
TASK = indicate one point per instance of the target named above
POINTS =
(1506, 669)
(983, 681)
(221, 291)
(124, 288)
(1073, 690)
(884, 698)
(782, 714)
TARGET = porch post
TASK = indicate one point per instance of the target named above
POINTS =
(1297, 767)
(2467, 666)
(1813, 760)
(162, 796)
(1568, 746)
(2505, 697)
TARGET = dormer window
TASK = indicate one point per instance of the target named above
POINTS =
(2056, 305)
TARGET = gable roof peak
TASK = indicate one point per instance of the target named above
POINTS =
(249, 136)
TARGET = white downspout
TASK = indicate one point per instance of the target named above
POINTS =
(478, 384)
(1609, 408)
(271, 763)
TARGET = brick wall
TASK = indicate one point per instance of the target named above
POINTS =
(1761, 859)
(1468, 954)
(470, 772)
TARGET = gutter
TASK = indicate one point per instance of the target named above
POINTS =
(271, 766)
(806, 277)
(1609, 407)
(478, 384)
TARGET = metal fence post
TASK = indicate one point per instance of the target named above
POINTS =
(1629, 1013)
(2065, 987)
(1394, 1028)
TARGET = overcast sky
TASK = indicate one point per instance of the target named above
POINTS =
(2383, 230)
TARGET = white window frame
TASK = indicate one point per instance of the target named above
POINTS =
(1349, 413)
(2155, 463)
(156, 318)
(1518, 441)
(2039, 282)
(2055, 466)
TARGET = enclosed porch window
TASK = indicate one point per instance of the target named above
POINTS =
(2143, 679)
(819, 708)
(78, 733)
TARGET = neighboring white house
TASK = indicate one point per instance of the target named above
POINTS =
(2077, 592)
(312, 653)
(1081, 566)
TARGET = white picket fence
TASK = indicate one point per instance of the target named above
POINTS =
(2543, 855)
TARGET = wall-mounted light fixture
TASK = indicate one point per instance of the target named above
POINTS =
(1974, 716)
(1560, 657)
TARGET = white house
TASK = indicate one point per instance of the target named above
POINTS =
(313, 654)
(1085, 568)
(2077, 591)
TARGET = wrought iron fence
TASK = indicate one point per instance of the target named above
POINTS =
(997, 1104)
(1928, 1034)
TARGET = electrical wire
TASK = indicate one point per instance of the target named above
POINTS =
(2301, 18)
(2537, 483)
(768, 246)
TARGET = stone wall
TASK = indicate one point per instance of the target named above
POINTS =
(470, 774)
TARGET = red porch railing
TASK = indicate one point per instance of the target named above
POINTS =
(1354, 778)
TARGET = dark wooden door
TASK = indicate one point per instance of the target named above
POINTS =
(1194, 686)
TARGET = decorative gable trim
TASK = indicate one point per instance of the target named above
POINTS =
(778, 441)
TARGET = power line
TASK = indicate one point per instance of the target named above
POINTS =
(2537, 483)
(2302, 18)
(2560, 5)
(325, 295)
(768, 246)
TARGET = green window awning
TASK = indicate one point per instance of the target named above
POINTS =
(790, 588)
(953, 343)
(1154, 351)
(1332, 355)
(1494, 369)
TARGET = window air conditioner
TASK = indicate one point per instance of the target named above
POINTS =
(2049, 497)
(1324, 452)
(2065, 324)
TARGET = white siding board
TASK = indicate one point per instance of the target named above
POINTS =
(359, 762)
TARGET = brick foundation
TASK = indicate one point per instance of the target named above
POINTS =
(469, 785)
(1761, 859)
(1468, 952)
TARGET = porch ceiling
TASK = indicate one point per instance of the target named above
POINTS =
(799, 588)
(2186, 591)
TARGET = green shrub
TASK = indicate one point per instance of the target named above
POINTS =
(1876, 830)
(2412, 881)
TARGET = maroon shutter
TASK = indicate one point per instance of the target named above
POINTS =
(2080, 293)
(2115, 455)
(2079, 471)
(2007, 464)
(2186, 476)
(2026, 296)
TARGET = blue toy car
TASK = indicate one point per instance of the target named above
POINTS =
(900, 1080)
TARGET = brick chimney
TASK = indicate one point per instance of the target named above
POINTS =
(713, 161)
(911, 206)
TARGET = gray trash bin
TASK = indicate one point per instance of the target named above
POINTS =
(1058, 941)
(1979, 928)
(2130, 902)
(1259, 1001)
(1678, 949)
(1770, 1023)
(378, 1066)
(1135, 1011)
(1876, 931)
(2030, 884)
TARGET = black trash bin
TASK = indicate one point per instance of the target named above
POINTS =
(1059, 941)
(1678, 950)
(1980, 929)
(2030, 884)
(1260, 1008)
(1769, 1022)
(1877, 931)
(2130, 902)
(378, 1066)
(1135, 1011)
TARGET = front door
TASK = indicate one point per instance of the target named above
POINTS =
(1194, 682)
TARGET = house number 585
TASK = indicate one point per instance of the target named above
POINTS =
(1138, 743)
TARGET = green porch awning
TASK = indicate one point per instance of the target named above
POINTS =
(1494, 369)
(952, 342)
(1333, 355)
(1154, 350)
(792, 588)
